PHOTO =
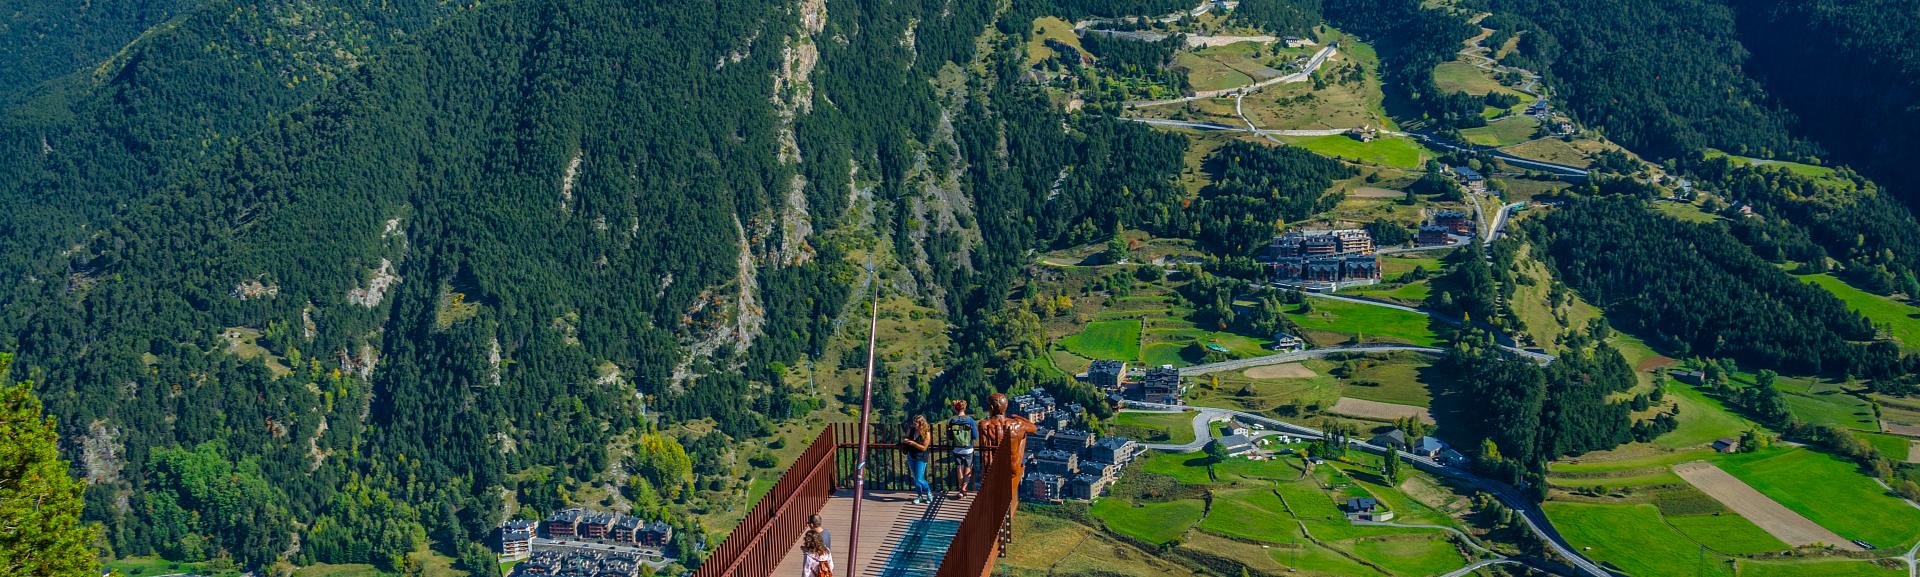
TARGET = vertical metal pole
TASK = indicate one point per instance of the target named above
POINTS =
(866, 411)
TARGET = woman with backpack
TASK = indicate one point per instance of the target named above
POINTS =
(918, 439)
(815, 561)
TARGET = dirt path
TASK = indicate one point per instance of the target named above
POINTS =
(1375, 192)
(1377, 410)
(1286, 371)
(1788, 526)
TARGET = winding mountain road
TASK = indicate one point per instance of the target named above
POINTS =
(1305, 73)
(1561, 170)
(1468, 570)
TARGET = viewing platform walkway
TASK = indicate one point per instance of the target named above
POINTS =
(897, 537)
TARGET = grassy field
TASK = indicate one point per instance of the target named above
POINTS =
(1829, 491)
(1051, 545)
(346, 570)
(1822, 402)
(1411, 294)
(1459, 76)
(1156, 523)
(1045, 28)
(1391, 151)
(1631, 537)
(1221, 67)
(1726, 532)
(1577, 153)
(1332, 322)
(1702, 420)
(1820, 567)
(1801, 169)
(1107, 340)
(150, 566)
(1395, 380)
(1503, 132)
(1172, 427)
(1210, 74)
(1898, 319)
(1263, 513)
(1684, 212)
(1299, 106)
(1392, 266)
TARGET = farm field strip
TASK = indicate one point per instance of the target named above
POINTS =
(1769, 515)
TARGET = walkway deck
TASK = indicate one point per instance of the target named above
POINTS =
(897, 537)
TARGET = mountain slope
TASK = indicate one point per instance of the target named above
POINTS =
(371, 277)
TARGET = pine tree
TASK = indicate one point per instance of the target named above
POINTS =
(40, 529)
(1391, 470)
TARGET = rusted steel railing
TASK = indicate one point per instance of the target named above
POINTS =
(763, 538)
(887, 467)
(771, 530)
(988, 526)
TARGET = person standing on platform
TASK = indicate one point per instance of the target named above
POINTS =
(919, 438)
(962, 430)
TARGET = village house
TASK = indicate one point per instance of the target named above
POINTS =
(1072, 440)
(1113, 450)
(1323, 256)
(580, 563)
(1042, 487)
(1161, 385)
(1433, 235)
(1366, 509)
(1470, 178)
(1428, 447)
(564, 524)
(1287, 342)
(1035, 405)
(656, 534)
(1455, 221)
(516, 539)
(1305, 243)
(596, 525)
(625, 528)
(1329, 268)
(1087, 487)
(1107, 375)
(1394, 439)
(1688, 377)
(1041, 436)
(1236, 445)
(1056, 462)
(1726, 445)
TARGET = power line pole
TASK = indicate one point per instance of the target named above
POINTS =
(866, 413)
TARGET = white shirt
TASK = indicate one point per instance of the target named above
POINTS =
(810, 565)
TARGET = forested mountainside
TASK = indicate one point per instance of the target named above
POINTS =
(1772, 79)
(339, 281)
(332, 261)
(1662, 77)
(1827, 82)
(1850, 72)
(41, 40)
(539, 200)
